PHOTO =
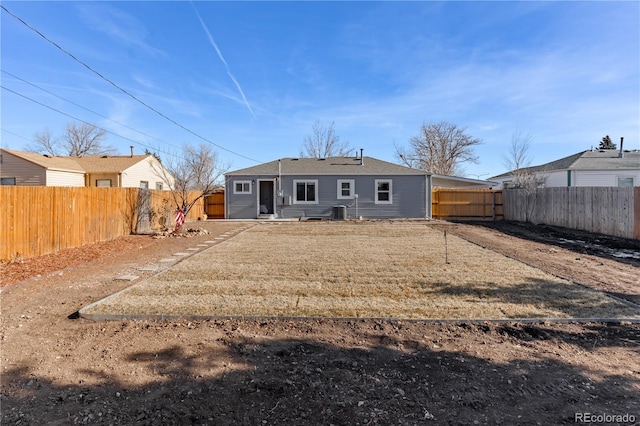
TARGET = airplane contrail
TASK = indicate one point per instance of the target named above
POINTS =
(215, 46)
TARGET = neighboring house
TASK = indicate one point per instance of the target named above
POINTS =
(132, 171)
(326, 187)
(136, 171)
(608, 167)
(455, 182)
(30, 169)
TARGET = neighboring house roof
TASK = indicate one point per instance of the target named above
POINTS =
(605, 159)
(477, 182)
(49, 162)
(328, 166)
(88, 164)
(110, 163)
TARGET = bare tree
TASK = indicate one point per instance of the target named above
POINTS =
(323, 142)
(439, 148)
(85, 139)
(196, 173)
(80, 139)
(518, 161)
(524, 178)
(518, 156)
(44, 143)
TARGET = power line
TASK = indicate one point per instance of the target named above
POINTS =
(16, 135)
(85, 108)
(82, 121)
(123, 90)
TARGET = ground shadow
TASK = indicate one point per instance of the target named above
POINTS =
(393, 376)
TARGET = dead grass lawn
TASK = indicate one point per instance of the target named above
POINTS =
(379, 269)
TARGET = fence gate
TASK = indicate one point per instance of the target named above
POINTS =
(467, 204)
(215, 205)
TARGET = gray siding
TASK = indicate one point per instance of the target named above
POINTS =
(408, 197)
(25, 172)
(242, 206)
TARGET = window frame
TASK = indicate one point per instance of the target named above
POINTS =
(352, 189)
(159, 186)
(3, 181)
(626, 178)
(306, 182)
(377, 191)
(144, 184)
(243, 183)
(103, 180)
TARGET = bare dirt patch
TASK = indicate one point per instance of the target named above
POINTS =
(405, 270)
(61, 371)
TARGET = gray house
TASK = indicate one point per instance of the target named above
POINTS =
(334, 187)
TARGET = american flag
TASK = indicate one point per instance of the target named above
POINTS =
(179, 219)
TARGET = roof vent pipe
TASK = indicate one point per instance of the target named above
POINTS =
(621, 153)
(131, 146)
(361, 157)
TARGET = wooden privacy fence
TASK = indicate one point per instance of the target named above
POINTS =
(470, 204)
(605, 210)
(38, 220)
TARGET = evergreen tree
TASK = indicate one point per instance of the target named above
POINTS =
(606, 143)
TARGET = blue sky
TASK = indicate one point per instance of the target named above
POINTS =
(253, 77)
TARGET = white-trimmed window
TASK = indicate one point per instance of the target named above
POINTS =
(159, 186)
(305, 191)
(346, 188)
(384, 193)
(144, 184)
(103, 183)
(242, 187)
(625, 181)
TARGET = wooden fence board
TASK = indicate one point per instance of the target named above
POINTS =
(606, 210)
(41, 220)
(480, 204)
(636, 214)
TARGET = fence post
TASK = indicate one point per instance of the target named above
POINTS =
(636, 212)
(493, 205)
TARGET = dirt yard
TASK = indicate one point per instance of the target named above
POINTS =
(59, 370)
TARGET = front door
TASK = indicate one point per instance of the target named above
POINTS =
(266, 197)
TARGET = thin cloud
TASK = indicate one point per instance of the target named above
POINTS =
(215, 46)
(118, 25)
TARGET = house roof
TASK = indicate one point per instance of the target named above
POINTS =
(605, 159)
(88, 164)
(49, 162)
(110, 163)
(327, 166)
(463, 180)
